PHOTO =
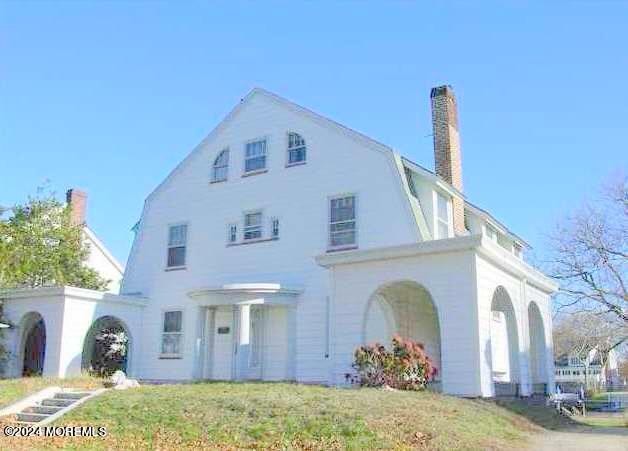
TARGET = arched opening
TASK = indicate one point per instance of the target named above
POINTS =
(407, 309)
(538, 366)
(504, 345)
(106, 348)
(33, 344)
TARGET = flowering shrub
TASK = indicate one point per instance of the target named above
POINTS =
(405, 367)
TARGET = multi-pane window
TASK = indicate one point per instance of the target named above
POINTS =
(442, 216)
(177, 241)
(255, 156)
(172, 333)
(274, 228)
(296, 149)
(342, 222)
(220, 168)
(253, 226)
(232, 233)
(491, 232)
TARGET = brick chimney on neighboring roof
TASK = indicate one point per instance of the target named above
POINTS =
(447, 156)
(77, 200)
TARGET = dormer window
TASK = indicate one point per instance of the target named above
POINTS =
(255, 156)
(442, 216)
(296, 149)
(220, 168)
(517, 249)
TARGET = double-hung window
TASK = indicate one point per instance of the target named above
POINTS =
(442, 216)
(296, 149)
(177, 243)
(253, 226)
(274, 228)
(172, 334)
(255, 156)
(342, 222)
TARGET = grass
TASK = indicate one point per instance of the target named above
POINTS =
(287, 416)
(12, 390)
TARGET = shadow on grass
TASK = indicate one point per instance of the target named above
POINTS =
(542, 416)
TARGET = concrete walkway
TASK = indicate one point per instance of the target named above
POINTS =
(582, 438)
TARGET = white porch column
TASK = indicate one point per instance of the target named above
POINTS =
(525, 349)
(244, 340)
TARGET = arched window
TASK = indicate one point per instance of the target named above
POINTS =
(221, 167)
(296, 149)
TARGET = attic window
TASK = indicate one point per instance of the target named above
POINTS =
(296, 149)
(221, 167)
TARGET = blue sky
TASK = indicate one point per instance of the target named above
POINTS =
(109, 97)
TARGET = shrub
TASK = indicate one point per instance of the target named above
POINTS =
(405, 367)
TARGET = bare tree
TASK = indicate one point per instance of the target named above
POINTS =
(590, 255)
(587, 335)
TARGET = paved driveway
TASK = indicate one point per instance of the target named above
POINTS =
(582, 438)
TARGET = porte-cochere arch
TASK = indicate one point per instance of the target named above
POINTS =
(32, 345)
(538, 349)
(405, 308)
(96, 345)
(504, 344)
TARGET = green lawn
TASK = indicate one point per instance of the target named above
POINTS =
(285, 416)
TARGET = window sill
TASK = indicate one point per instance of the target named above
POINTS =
(212, 182)
(342, 248)
(256, 172)
(175, 268)
(170, 357)
(258, 240)
(300, 163)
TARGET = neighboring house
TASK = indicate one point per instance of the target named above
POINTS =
(574, 371)
(286, 240)
(99, 259)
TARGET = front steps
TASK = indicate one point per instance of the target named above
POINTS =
(49, 405)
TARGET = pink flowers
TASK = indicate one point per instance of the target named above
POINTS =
(405, 367)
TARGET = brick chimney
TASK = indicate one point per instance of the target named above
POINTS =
(77, 200)
(447, 156)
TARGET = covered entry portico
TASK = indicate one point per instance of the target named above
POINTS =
(247, 331)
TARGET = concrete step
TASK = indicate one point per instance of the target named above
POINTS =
(72, 394)
(55, 402)
(47, 410)
(31, 417)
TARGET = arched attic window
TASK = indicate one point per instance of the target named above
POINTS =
(220, 169)
(296, 149)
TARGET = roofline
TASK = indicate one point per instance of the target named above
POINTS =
(100, 245)
(70, 291)
(477, 243)
(454, 192)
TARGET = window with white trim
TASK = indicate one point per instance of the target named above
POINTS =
(491, 232)
(177, 243)
(274, 228)
(517, 249)
(172, 334)
(342, 222)
(220, 169)
(252, 226)
(232, 233)
(255, 156)
(296, 149)
(442, 216)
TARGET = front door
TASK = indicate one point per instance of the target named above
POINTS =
(256, 342)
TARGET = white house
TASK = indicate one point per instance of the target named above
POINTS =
(573, 371)
(285, 240)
